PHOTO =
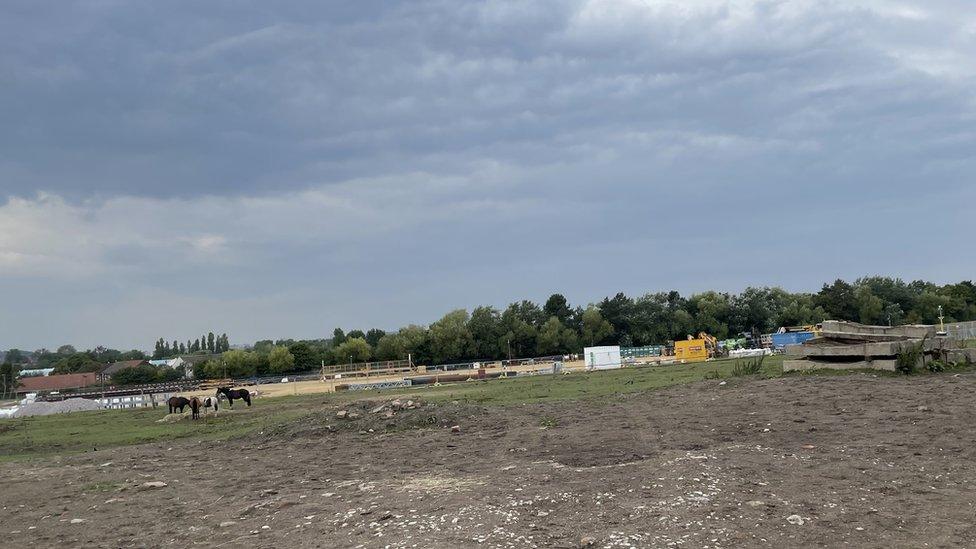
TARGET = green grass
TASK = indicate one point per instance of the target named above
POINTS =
(592, 385)
(25, 438)
(28, 437)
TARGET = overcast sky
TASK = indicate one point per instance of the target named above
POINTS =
(277, 169)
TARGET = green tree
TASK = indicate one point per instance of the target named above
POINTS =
(281, 360)
(235, 363)
(450, 339)
(373, 336)
(838, 301)
(926, 310)
(211, 344)
(338, 337)
(595, 327)
(134, 354)
(15, 356)
(139, 375)
(67, 350)
(353, 350)
(485, 328)
(75, 363)
(302, 356)
(8, 380)
(390, 347)
(557, 306)
(618, 311)
(870, 308)
(555, 338)
(711, 313)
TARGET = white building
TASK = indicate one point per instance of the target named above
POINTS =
(602, 358)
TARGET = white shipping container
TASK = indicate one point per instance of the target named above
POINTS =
(602, 358)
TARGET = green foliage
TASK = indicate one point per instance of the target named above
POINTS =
(15, 356)
(557, 306)
(353, 350)
(595, 327)
(281, 360)
(146, 373)
(373, 336)
(450, 339)
(937, 365)
(748, 367)
(235, 363)
(485, 327)
(909, 357)
(302, 358)
(555, 338)
(8, 380)
(75, 363)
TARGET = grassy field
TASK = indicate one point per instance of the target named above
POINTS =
(40, 436)
(83, 431)
(44, 436)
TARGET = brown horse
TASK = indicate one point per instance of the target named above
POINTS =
(231, 394)
(194, 408)
(177, 403)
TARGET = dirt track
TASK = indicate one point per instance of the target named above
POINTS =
(862, 461)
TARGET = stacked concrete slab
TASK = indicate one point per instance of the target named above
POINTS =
(849, 345)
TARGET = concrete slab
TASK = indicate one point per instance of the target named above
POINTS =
(800, 365)
(914, 331)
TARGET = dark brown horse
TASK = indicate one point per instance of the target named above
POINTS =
(194, 408)
(231, 394)
(177, 403)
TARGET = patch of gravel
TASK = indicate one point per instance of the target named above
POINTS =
(60, 407)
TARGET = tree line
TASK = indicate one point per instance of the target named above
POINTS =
(527, 329)
(206, 344)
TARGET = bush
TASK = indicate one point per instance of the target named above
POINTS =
(909, 358)
(748, 367)
(936, 366)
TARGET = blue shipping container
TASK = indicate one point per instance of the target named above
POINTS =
(790, 338)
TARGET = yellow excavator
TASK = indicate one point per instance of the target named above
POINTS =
(711, 345)
(695, 349)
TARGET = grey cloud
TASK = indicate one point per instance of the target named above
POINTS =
(392, 160)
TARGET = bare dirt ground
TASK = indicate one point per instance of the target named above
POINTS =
(858, 460)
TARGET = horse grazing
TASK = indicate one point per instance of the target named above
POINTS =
(194, 408)
(231, 394)
(211, 402)
(177, 403)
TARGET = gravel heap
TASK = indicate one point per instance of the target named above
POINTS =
(60, 407)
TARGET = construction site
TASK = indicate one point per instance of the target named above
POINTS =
(620, 448)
